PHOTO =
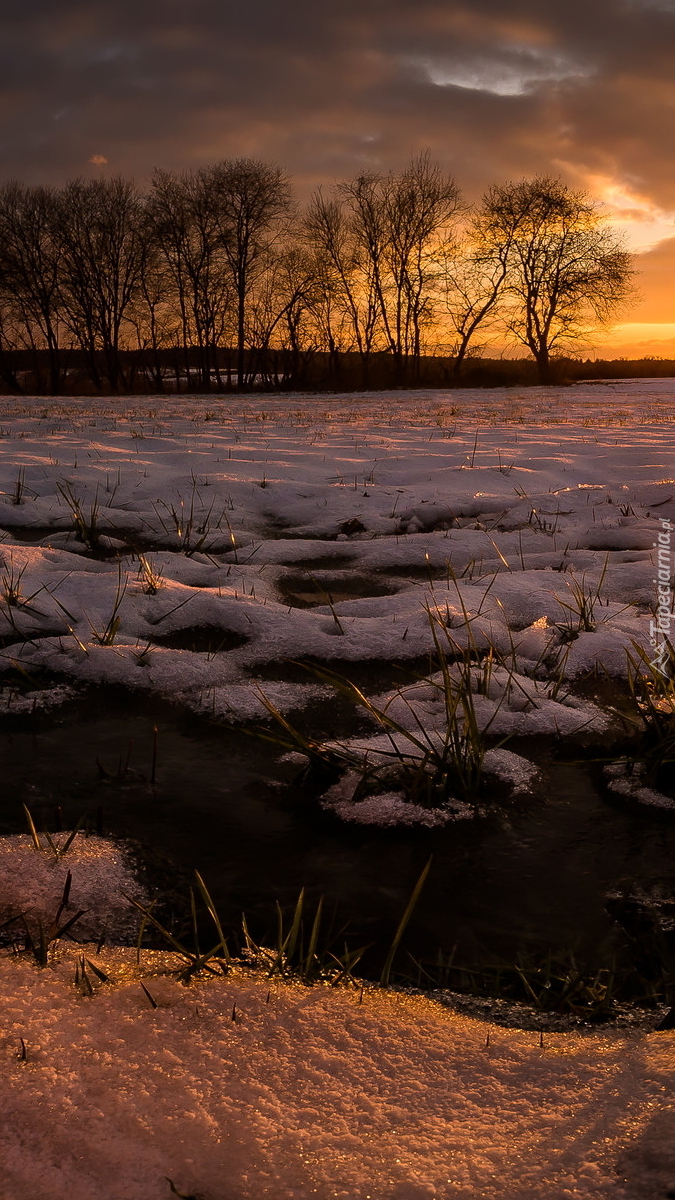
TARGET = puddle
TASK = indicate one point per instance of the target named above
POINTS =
(201, 639)
(65, 538)
(322, 562)
(413, 571)
(524, 880)
(311, 591)
(370, 675)
(31, 533)
(20, 637)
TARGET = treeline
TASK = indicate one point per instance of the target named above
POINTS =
(216, 280)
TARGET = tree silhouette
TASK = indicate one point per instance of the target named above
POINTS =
(250, 200)
(566, 270)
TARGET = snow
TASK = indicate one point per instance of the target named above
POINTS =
(487, 515)
(313, 1093)
(129, 522)
(384, 808)
(32, 883)
(626, 782)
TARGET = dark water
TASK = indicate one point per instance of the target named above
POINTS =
(525, 880)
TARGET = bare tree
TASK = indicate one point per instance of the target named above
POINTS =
(279, 315)
(8, 347)
(154, 314)
(250, 201)
(101, 238)
(473, 291)
(30, 266)
(214, 261)
(345, 303)
(566, 270)
(475, 279)
(421, 208)
(401, 223)
(187, 237)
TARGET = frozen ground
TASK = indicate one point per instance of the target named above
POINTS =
(314, 1095)
(259, 531)
(184, 546)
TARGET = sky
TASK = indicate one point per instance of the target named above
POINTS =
(495, 89)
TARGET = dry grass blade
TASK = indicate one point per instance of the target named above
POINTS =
(151, 998)
(295, 925)
(57, 851)
(313, 940)
(414, 897)
(315, 751)
(195, 962)
(31, 827)
(211, 909)
(65, 897)
(100, 975)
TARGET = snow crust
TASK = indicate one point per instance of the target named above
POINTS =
(630, 783)
(32, 885)
(496, 505)
(313, 1094)
(384, 808)
(350, 528)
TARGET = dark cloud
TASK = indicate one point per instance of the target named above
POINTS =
(160, 84)
(495, 88)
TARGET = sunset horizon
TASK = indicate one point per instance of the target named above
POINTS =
(495, 93)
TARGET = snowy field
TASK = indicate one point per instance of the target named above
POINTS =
(519, 527)
(188, 548)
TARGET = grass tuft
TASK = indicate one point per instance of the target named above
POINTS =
(86, 522)
(653, 695)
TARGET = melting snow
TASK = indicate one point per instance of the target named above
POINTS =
(490, 509)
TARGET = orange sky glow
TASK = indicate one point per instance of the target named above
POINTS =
(496, 90)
